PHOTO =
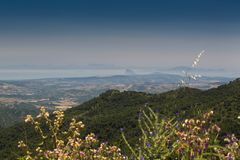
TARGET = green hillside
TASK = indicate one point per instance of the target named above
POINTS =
(10, 115)
(112, 110)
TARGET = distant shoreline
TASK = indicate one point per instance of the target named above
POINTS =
(31, 74)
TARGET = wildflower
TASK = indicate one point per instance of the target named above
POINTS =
(229, 156)
(148, 144)
(227, 140)
(38, 149)
(197, 121)
(73, 147)
(197, 59)
(21, 144)
(28, 118)
(81, 153)
(191, 121)
(189, 76)
(215, 127)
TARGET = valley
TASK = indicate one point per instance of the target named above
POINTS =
(26, 96)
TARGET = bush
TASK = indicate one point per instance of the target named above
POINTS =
(186, 140)
(65, 145)
(161, 139)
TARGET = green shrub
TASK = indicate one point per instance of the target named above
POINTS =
(186, 140)
(65, 145)
(161, 139)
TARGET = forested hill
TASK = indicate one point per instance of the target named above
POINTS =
(112, 110)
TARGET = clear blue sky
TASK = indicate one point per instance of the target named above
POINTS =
(163, 33)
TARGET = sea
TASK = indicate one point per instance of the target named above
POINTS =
(24, 74)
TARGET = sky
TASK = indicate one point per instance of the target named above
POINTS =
(135, 33)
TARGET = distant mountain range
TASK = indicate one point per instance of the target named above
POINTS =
(185, 68)
(18, 72)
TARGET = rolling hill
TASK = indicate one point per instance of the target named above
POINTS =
(112, 110)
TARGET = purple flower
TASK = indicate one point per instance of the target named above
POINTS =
(148, 144)
(229, 156)
(206, 146)
(177, 125)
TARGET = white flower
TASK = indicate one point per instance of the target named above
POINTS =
(197, 59)
(28, 118)
(193, 77)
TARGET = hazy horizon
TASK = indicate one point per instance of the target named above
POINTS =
(43, 73)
